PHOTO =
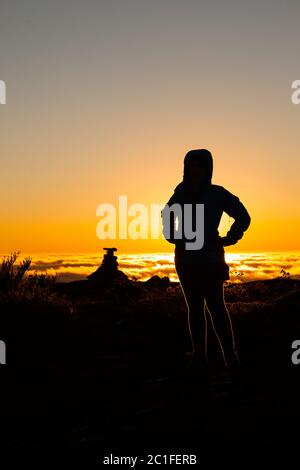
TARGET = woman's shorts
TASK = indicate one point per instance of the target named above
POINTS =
(203, 271)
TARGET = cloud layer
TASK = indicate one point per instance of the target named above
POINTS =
(248, 266)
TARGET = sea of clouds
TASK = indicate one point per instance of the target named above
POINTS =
(141, 266)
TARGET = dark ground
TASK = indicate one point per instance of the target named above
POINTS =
(103, 371)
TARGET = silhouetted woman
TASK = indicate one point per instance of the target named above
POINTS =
(202, 272)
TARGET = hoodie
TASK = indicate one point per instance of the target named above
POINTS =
(216, 200)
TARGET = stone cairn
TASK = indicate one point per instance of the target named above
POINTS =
(108, 271)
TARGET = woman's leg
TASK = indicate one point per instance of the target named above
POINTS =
(194, 298)
(221, 321)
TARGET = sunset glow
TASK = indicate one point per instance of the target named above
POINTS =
(118, 116)
(250, 266)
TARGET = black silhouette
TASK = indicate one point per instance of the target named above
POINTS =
(108, 271)
(202, 272)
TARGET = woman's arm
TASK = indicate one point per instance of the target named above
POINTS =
(234, 208)
(171, 231)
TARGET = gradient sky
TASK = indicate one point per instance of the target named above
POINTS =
(105, 99)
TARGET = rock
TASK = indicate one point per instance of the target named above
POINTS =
(108, 271)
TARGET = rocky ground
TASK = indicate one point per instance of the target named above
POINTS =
(102, 368)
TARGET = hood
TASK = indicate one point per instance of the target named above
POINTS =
(205, 157)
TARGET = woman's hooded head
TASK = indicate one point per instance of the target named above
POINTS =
(204, 158)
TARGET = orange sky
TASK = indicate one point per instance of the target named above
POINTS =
(102, 103)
